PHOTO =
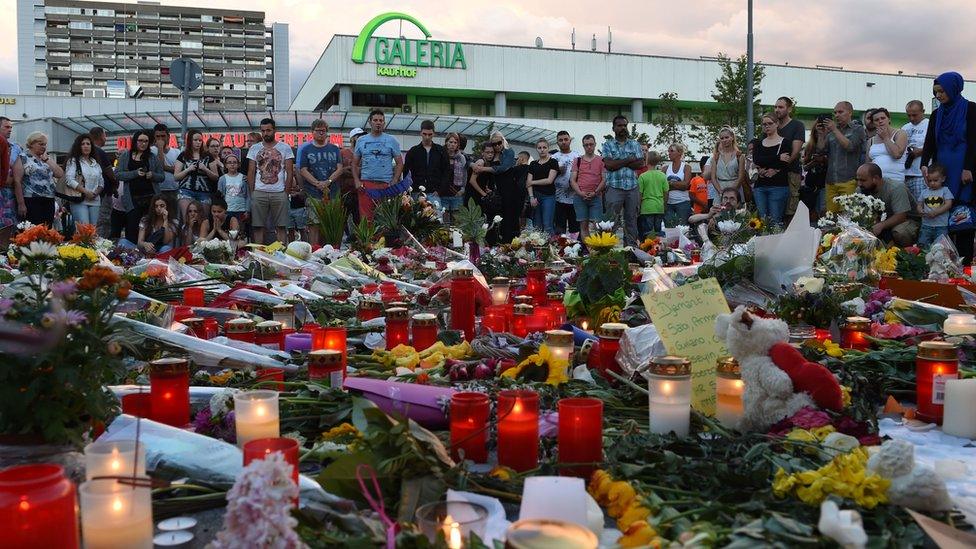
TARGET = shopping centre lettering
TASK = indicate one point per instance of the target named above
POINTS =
(403, 53)
(239, 139)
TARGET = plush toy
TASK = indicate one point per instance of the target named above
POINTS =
(778, 380)
(914, 486)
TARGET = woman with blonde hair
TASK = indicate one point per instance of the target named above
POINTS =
(728, 169)
(678, 172)
(511, 192)
(35, 194)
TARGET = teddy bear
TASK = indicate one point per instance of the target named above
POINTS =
(914, 486)
(777, 380)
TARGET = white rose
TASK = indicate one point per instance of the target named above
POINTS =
(422, 189)
(844, 527)
(484, 226)
(836, 444)
(497, 219)
(809, 285)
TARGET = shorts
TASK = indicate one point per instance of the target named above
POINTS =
(452, 203)
(199, 196)
(297, 218)
(588, 210)
(264, 204)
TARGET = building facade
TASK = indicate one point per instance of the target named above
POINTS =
(117, 50)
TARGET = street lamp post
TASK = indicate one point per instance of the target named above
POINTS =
(750, 116)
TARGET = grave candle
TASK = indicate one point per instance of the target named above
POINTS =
(580, 434)
(728, 389)
(210, 328)
(240, 329)
(298, 342)
(397, 327)
(268, 334)
(325, 366)
(935, 363)
(195, 324)
(116, 515)
(557, 308)
(669, 387)
(368, 309)
(609, 335)
(853, 335)
(38, 507)
(960, 408)
(193, 297)
(495, 318)
(260, 448)
(114, 459)
(535, 282)
(520, 320)
(462, 302)
(256, 415)
(560, 344)
(469, 431)
(424, 331)
(518, 429)
(137, 404)
(500, 289)
(335, 340)
(169, 390)
(959, 324)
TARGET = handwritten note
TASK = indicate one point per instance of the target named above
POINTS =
(685, 319)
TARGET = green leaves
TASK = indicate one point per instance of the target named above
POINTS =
(332, 219)
(471, 221)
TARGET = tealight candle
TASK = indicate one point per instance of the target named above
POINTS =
(124, 458)
(462, 302)
(397, 327)
(424, 331)
(38, 507)
(560, 344)
(960, 408)
(580, 434)
(853, 335)
(325, 366)
(518, 429)
(669, 388)
(935, 363)
(500, 288)
(960, 324)
(728, 389)
(178, 539)
(469, 431)
(169, 390)
(177, 523)
(116, 514)
(256, 415)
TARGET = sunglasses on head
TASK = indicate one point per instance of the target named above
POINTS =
(495, 143)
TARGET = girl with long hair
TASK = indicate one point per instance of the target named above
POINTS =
(194, 173)
(84, 174)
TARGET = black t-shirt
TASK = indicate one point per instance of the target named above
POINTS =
(794, 131)
(768, 157)
(195, 181)
(140, 186)
(541, 171)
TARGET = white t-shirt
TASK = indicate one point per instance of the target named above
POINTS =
(567, 162)
(269, 167)
(916, 138)
(169, 182)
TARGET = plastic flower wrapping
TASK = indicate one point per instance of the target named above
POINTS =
(851, 253)
(860, 209)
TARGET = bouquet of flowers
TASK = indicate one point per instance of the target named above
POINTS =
(807, 303)
(850, 253)
(214, 250)
(860, 209)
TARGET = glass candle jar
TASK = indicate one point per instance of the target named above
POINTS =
(325, 366)
(116, 514)
(255, 415)
(300, 341)
(169, 390)
(520, 320)
(535, 533)
(268, 334)
(137, 404)
(193, 297)
(260, 448)
(397, 327)
(462, 302)
(535, 282)
(469, 426)
(560, 343)
(240, 329)
(935, 363)
(123, 458)
(580, 437)
(854, 333)
(211, 328)
(495, 318)
(500, 288)
(335, 340)
(195, 324)
(959, 324)
(728, 389)
(557, 308)
(669, 399)
(518, 429)
(538, 321)
(368, 309)
(609, 335)
(453, 521)
(424, 330)
(285, 314)
(38, 507)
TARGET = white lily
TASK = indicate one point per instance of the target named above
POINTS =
(497, 219)
(836, 444)
(844, 527)
(728, 226)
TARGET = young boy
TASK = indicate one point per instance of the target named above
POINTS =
(934, 204)
(653, 186)
(698, 192)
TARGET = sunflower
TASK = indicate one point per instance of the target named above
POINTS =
(601, 241)
(756, 224)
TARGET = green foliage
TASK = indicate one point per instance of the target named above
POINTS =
(332, 219)
(603, 282)
(816, 309)
(471, 221)
(911, 266)
(668, 119)
(479, 140)
(730, 94)
(401, 212)
(362, 235)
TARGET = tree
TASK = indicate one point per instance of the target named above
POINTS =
(668, 119)
(730, 95)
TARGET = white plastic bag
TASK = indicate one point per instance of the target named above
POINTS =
(783, 258)
(637, 346)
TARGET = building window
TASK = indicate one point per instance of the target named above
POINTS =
(433, 105)
(388, 100)
(81, 25)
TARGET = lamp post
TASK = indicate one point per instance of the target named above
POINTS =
(750, 124)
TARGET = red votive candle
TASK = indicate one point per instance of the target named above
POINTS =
(424, 331)
(368, 309)
(558, 310)
(469, 426)
(310, 327)
(325, 366)
(193, 297)
(260, 448)
(520, 320)
(854, 333)
(538, 321)
(610, 334)
(495, 318)
(271, 374)
(38, 507)
(240, 329)
(169, 390)
(195, 324)
(462, 302)
(268, 334)
(535, 282)
(137, 404)
(335, 340)
(518, 429)
(397, 327)
(210, 328)
(580, 434)
(935, 363)
(822, 334)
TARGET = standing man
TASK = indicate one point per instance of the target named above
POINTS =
(378, 164)
(794, 134)
(13, 178)
(270, 174)
(319, 166)
(621, 156)
(842, 140)
(97, 135)
(347, 186)
(428, 164)
(869, 131)
(916, 128)
(166, 157)
(565, 219)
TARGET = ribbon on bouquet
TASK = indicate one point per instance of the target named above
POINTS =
(375, 501)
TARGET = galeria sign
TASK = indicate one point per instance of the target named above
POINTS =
(398, 56)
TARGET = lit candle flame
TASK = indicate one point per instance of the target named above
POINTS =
(259, 410)
(666, 388)
(117, 504)
(585, 326)
(517, 408)
(738, 384)
(452, 531)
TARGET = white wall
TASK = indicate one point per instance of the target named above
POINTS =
(44, 106)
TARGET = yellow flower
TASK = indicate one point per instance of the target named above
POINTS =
(639, 534)
(832, 349)
(845, 395)
(342, 431)
(845, 476)
(501, 472)
(756, 224)
(886, 260)
(222, 377)
(619, 498)
(601, 241)
(599, 486)
(409, 361)
(822, 432)
(73, 251)
(636, 512)
(557, 367)
(433, 361)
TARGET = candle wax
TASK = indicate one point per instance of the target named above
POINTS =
(131, 534)
(249, 430)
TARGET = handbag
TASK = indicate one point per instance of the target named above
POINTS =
(64, 192)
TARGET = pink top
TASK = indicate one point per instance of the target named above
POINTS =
(590, 172)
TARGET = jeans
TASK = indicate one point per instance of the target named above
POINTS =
(565, 219)
(544, 213)
(680, 211)
(85, 213)
(650, 224)
(451, 203)
(771, 203)
(930, 233)
(626, 204)
(588, 210)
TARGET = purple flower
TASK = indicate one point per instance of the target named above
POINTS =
(808, 418)
(852, 427)
(63, 289)
(5, 306)
(70, 318)
(76, 318)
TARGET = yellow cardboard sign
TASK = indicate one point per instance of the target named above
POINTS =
(685, 320)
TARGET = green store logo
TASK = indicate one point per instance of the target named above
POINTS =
(399, 56)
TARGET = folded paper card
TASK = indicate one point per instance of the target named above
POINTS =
(421, 403)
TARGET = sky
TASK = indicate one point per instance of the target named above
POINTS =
(869, 35)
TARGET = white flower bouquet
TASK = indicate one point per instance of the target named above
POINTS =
(214, 250)
(861, 209)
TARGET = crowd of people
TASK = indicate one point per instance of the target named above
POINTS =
(154, 197)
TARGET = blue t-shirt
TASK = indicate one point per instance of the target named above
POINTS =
(321, 161)
(933, 200)
(377, 154)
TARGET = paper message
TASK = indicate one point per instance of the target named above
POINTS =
(685, 319)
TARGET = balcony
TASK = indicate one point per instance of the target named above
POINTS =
(56, 31)
(57, 73)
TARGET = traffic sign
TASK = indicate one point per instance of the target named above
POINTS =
(185, 74)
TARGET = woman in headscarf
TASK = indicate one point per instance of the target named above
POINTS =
(951, 141)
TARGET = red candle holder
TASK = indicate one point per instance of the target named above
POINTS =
(854, 333)
(610, 334)
(370, 288)
(538, 321)
(469, 426)
(535, 282)
(335, 340)
(368, 309)
(558, 310)
(424, 331)
(210, 328)
(495, 318)
(520, 320)
(169, 390)
(137, 405)
(310, 327)
(260, 448)
(38, 507)
(271, 374)
(325, 366)
(935, 363)
(341, 295)
(240, 329)
(269, 334)
(397, 327)
(462, 302)
(518, 429)
(822, 334)
(580, 436)
(193, 297)
(195, 324)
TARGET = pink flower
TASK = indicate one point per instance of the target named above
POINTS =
(852, 427)
(894, 331)
(808, 418)
(870, 440)
(259, 507)
(63, 289)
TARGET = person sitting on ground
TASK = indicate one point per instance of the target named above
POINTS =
(157, 230)
(896, 227)
(728, 201)
(195, 216)
(219, 226)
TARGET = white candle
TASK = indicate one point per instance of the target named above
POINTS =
(116, 515)
(456, 238)
(959, 418)
(959, 324)
(452, 533)
(256, 415)
(729, 402)
(560, 344)
(178, 538)
(177, 523)
(669, 398)
(114, 459)
(500, 288)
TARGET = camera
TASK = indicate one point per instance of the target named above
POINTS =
(909, 158)
(823, 117)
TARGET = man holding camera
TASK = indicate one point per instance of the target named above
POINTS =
(916, 128)
(842, 139)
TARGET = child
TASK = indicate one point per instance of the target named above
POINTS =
(698, 192)
(233, 188)
(934, 204)
(653, 186)
(297, 217)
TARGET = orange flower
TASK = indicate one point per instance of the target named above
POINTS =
(96, 277)
(123, 291)
(38, 232)
(85, 233)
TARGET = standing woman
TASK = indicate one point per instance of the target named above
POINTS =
(541, 187)
(679, 181)
(481, 183)
(84, 174)
(35, 194)
(951, 141)
(512, 192)
(772, 187)
(728, 169)
(887, 147)
(451, 194)
(141, 173)
(192, 170)
(216, 157)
